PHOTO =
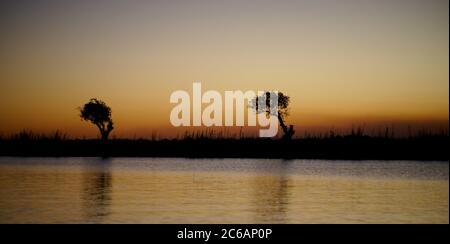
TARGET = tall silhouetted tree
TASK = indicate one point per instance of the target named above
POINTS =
(281, 111)
(99, 114)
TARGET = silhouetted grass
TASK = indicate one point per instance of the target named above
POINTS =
(356, 144)
(28, 135)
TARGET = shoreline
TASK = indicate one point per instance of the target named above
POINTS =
(342, 148)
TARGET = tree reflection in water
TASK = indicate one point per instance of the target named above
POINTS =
(272, 193)
(97, 186)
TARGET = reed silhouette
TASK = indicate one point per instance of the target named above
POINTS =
(209, 143)
(355, 145)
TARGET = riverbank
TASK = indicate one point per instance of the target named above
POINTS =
(345, 147)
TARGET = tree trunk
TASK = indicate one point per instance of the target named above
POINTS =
(104, 132)
(105, 135)
(283, 126)
(288, 132)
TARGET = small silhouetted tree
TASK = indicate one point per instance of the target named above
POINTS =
(281, 111)
(99, 114)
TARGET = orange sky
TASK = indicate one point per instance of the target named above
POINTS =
(341, 62)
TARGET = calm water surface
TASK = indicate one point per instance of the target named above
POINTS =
(160, 190)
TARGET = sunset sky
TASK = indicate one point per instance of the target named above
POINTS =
(343, 63)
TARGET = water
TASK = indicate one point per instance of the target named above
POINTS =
(160, 190)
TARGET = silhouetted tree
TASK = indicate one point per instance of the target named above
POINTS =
(281, 111)
(99, 114)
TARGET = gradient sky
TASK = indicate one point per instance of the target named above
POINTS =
(342, 62)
